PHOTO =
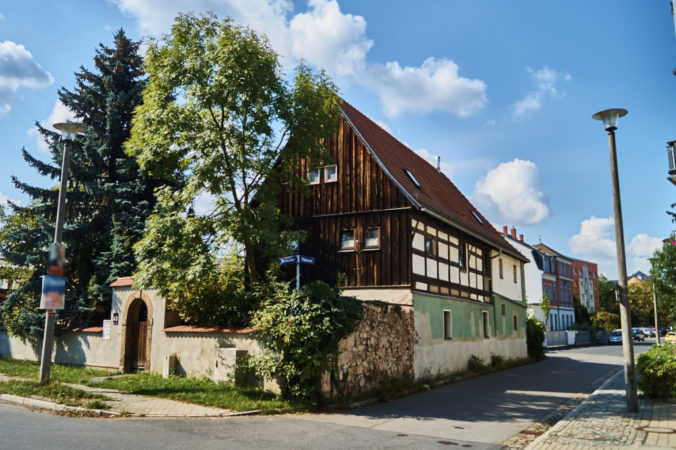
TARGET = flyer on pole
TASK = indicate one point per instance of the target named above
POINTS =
(53, 292)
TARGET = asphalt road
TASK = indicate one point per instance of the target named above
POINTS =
(476, 413)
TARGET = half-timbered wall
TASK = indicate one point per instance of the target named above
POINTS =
(446, 261)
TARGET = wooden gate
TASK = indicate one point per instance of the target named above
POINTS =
(141, 346)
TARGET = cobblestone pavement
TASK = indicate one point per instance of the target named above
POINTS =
(601, 422)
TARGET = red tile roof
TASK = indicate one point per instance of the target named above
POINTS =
(122, 281)
(88, 330)
(196, 329)
(437, 195)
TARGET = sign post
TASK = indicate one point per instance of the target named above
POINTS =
(298, 259)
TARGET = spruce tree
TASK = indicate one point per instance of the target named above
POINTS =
(108, 197)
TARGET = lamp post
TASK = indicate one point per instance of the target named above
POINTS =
(68, 131)
(609, 118)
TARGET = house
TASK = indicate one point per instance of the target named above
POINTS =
(557, 283)
(638, 277)
(389, 226)
(586, 284)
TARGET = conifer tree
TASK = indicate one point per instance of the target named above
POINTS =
(108, 197)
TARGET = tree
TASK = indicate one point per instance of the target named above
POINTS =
(218, 115)
(108, 198)
(546, 307)
(641, 301)
(663, 276)
(607, 299)
(581, 312)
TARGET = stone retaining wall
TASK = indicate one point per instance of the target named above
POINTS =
(379, 350)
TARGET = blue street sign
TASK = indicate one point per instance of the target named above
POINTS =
(307, 260)
(288, 260)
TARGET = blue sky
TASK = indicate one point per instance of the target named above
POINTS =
(502, 91)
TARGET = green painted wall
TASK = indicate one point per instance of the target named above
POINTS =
(467, 316)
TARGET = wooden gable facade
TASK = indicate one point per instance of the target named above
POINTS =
(379, 216)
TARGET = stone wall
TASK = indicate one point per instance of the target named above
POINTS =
(379, 350)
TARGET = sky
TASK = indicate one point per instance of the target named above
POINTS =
(503, 91)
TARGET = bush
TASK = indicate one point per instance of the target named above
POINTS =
(475, 364)
(496, 360)
(535, 338)
(300, 334)
(657, 371)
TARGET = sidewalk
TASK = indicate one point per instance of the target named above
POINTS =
(601, 422)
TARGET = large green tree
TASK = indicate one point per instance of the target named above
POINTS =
(219, 115)
(108, 200)
(663, 275)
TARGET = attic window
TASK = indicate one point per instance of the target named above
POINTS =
(410, 175)
(476, 216)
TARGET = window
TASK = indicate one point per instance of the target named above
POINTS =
(330, 174)
(347, 240)
(503, 309)
(448, 324)
(514, 266)
(485, 318)
(430, 246)
(372, 238)
(410, 175)
(313, 176)
(476, 216)
(516, 324)
(500, 268)
(462, 258)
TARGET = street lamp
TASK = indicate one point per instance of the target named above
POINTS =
(68, 131)
(671, 156)
(609, 118)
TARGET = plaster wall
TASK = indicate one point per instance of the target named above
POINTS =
(506, 286)
(402, 296)
(434, 354)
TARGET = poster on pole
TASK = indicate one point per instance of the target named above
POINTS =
(53, 292)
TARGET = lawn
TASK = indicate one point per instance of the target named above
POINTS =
(66, 374)
(58, 392)
(201, 391)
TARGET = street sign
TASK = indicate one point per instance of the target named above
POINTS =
(288, 260)
(53, 292)
(307, 260)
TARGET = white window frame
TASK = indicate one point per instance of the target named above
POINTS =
(448, 331)
(333, 179)
(319, 177)
(372, 247)
(354, 240)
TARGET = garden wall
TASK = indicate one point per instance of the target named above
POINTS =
(379, 350)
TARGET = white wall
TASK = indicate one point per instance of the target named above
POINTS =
(506, 286)
(533, 275)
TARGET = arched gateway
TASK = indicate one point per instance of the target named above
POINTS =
(136, 333)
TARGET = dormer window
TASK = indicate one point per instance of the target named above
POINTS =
(410, 175)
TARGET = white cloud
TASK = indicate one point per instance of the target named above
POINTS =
(60, 113)
(434, 86)
(546, 80)
(446, 168)
(18, 69)
(640, 249)
(511, 193)
(327, 38)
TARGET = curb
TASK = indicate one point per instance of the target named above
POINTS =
(43, 404)
(561, 422)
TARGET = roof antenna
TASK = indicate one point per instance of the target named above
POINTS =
(540, 238)
(438, 163)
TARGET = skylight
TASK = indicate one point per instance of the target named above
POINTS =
(410, 175)
(476, 216)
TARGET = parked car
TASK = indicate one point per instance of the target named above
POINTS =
(670, 337)
(663, 331)
(648, 332)
(637, 334)
(615, 337)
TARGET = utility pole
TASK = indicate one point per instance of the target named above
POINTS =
(68, 132)
(657, 329)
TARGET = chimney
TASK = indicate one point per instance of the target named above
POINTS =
(521, 237)
(513, 233)
(439, 163)
(505, 230)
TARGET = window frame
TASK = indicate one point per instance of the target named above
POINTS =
(516, 323)
(354, 240)
(319, 176)
(448, 325)
(372, 247)
(503, 309)
(514, 266)
(485, 328)
(434, 248)
(500, 270)
(326, 174)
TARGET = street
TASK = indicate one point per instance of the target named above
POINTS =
(479, 413)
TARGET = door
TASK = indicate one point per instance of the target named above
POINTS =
(141, 345)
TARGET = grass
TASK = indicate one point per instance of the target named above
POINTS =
(201, 391)
(58, 392)
(65, 374)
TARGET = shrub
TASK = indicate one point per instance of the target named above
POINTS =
(497, 360)
(535, 338)
(475, 364)
(300, 334)
(657, 371)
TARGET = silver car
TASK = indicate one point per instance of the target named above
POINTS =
(615, 337)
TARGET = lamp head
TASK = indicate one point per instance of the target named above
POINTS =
(609, 117)
(69, 129)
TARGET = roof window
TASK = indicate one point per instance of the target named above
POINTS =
(410, 175)
(476, 216)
